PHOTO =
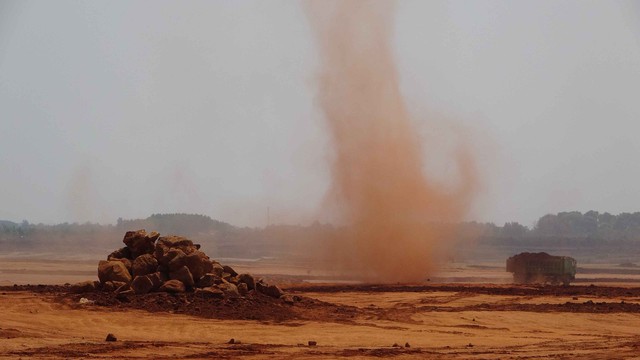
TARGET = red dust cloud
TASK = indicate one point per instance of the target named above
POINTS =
(397, 219)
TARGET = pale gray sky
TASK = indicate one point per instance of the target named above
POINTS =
(126, 108)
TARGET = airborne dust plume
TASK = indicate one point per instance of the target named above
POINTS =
(398, 219)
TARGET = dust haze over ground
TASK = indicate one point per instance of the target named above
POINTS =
(392, 210)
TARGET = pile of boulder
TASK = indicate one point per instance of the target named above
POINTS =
(173, 264)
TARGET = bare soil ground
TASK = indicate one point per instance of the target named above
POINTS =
(439, 319)
(356, 321)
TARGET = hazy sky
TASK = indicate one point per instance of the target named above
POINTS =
(126, 108)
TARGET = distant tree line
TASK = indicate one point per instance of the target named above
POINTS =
(591, 226)
(564, 227)
(11, 229)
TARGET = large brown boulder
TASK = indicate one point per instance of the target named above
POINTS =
(153, 236)
(213, 292)
(122, 253)
(173, 286)
(177, 242)
(184, 275)
(198, 263)
(160, 251)
(169, 255)
(139, 243)
(229, 290)
(178, 260)
(242, 289)
(83, 287)
(174, 241)
(228, 269)
(208, 280)
(270, 290)
(127, 263)
(123, 288)
(112, 285)
(163, 245)
(274, 291)
(217, 269)
(144, 264)
(141, 284)
(247, 279)
(157, 279)
(113, 271)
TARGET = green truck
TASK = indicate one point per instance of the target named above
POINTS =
(541, 268)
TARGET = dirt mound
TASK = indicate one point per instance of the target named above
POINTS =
(170, 274)
(253, 306)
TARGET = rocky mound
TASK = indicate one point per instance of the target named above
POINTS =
(171, 264)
